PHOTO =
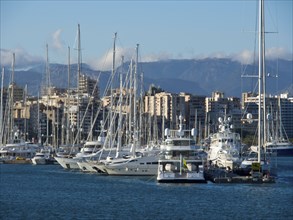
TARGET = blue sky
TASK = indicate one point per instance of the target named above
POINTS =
(164, 30)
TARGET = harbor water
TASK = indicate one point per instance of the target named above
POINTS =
(50, 192)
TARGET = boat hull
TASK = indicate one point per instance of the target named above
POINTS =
(67, 163)
(86, 166)
(44, 161)
(133, 166)
(182, 181)
(17, 161)
(191, 177)
(39, 161)
(132, 171)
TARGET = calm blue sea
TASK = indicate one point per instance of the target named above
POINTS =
(50, 192)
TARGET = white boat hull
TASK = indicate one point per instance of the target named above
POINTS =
(67, 163)
(39, 161)
(171, 174)
(138, 166)
(169, 177)
(86, 166)
(132, 170)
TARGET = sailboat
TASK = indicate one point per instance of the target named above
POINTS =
(277, 143)
(257, 164)
(15, 149)
(140, 161)
(70, 159)
(281, 147)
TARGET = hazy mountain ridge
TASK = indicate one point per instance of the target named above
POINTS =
(200, 77)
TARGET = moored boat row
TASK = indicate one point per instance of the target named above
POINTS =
(177, 158)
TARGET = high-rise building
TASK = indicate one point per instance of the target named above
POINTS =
(279, 113)
(218, 106)
(88, 86)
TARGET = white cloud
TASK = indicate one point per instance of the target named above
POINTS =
(157, 57)
(22, 58)
(57, 43)
(248, 57)
(244, 57)
(278, 53)
(106, 61)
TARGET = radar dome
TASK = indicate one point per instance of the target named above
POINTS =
(269, 117)
(249, 116)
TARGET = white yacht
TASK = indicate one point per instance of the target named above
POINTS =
(40, 159)
(92, 162)
(143, 163)
(43, 157)
(225, 146)
(181, 160)
(18, 151)
(89, 149)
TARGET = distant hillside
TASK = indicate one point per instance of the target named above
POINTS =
(200, 77)
(220, 74)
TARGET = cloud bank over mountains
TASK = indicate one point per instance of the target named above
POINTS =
(24, 59)
(58, 48)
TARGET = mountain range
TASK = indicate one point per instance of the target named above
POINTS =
(195, 76)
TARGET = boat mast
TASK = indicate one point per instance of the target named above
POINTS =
(68, 100)
(195, 122)
(141, 111)
(25, 106)
(78, 77)
(263, 74)
(135, 100)
(261, 81)
(111, 91)
(11, 120)
(163, 119)
(119, 142)
(1, 106)
(48, 92)
(130, 130)
(279, 136)
(39, 127)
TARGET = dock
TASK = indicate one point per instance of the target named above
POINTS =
(218, 175)
(17, 160)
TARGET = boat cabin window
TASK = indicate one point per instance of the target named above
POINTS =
(224, 140)
(138, 154)
(89, 146)
(180, 142)
(176, 154)
(16, 141)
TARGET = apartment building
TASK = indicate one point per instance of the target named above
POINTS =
(279, 111)
(218, 106)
